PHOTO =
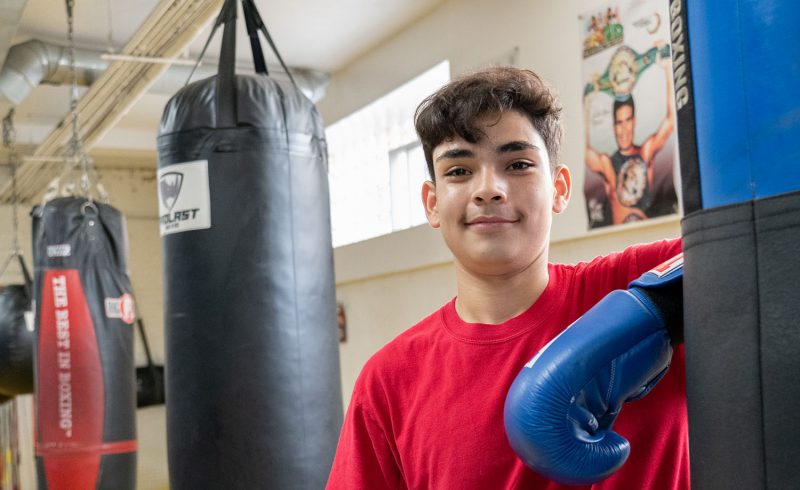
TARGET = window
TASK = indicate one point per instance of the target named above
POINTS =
(407, 172)
(376, 165)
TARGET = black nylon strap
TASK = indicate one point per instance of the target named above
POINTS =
(145, 344)
(260, 24)
(255, 43)
(226, 72)
(217, 23)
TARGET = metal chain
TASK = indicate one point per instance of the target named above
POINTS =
(110, 29)
(9, 141)
(76, 148)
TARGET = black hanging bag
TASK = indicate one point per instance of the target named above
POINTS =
(149, 378)
(85, 384)
(252, 378)
(16, 335)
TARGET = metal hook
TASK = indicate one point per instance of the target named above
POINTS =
(87, 205)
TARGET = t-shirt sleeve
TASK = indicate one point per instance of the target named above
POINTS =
(364, 456)
(650, 255)
(614, 271)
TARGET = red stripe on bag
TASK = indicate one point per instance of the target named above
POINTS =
(118, 447)
(70, 407)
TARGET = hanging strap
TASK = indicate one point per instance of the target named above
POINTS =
(9, 141)
(225, 100)
(255, 43)
(26, 275)
(226, 72)
(220, 20)
(250, 6)
(145, 344)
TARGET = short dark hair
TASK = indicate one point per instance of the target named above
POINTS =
(627, 101)
(454, 109)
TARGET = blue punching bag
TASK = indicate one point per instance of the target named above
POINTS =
(737, 84)
(253, 394)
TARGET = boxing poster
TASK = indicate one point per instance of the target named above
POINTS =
(630, 155)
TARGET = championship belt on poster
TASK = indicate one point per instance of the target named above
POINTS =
(629, 115)
(624, 70)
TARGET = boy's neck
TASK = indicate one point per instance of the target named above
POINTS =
(497, 299)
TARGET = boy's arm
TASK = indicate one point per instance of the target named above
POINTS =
(614, 271)
(364, 458)
(561, 425)
(652, 254)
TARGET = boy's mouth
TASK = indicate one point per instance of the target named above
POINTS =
(490, 221)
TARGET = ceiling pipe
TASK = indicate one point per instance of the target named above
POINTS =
(35, 62)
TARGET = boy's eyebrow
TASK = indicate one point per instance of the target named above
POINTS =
(516, 146)
(509, 147)
(456, 153)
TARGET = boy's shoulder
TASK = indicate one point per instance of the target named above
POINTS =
(403, 353)
(628, 264)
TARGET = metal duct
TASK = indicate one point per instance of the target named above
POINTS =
(31, 63)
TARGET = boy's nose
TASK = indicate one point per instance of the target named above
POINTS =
(490, 188)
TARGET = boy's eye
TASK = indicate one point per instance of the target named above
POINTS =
(456, 172)
(521, 165)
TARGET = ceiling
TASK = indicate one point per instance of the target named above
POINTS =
(322, 35)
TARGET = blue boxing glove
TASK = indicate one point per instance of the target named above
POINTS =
(561, 408)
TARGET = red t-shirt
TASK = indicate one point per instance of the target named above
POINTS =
(427, 409)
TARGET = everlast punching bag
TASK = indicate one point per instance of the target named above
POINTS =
(737, 87)
(252, 369)
(85, 384)
(16, 336)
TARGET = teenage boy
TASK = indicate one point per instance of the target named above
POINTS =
(427, 409)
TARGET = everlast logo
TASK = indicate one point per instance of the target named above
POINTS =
(679, 53)
(178, 216)
(170, 187)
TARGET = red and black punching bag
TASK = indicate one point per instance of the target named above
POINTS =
(85, 382)
(252, 368)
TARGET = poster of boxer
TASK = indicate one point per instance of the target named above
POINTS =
(630, 155)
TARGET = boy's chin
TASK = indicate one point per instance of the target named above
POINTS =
(497, 261)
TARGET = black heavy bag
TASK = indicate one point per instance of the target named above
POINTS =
(252, 368)
(16, 336)
(738, 109)
(149, 378)
(85, 386)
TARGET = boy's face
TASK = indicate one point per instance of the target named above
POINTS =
(494, 199)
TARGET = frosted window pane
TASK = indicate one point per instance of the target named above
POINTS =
(359, 148)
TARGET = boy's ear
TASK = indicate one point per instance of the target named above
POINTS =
(429, 201)
(562, 188)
